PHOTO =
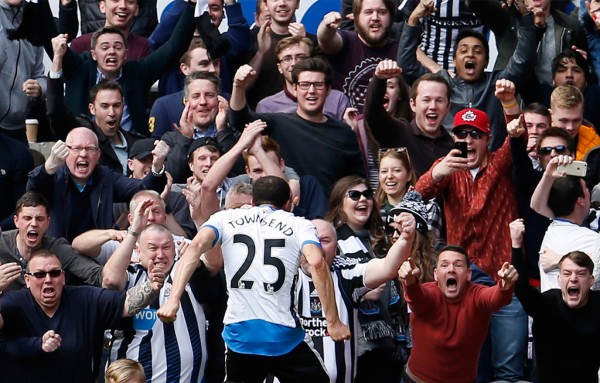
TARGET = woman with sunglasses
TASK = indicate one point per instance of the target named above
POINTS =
(355, 215)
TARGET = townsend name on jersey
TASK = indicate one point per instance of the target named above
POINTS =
(272, 223)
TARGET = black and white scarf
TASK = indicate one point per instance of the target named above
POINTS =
(375, 317)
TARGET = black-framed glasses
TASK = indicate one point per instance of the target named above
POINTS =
(42, 274)
(305, 85)
(462, 134)
(354, 195)
(559, 149)
(79, 149)
(288, 59)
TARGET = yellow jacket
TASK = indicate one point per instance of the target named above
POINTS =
(587, 139)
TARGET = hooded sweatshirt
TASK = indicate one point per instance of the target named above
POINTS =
(19, 61)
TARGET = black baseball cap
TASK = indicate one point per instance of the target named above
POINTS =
(204, 141)
(141, 148)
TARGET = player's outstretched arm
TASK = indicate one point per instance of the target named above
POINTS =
(189, 261)
(324, 285)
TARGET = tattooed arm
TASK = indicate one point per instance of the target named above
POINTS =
(140, 296)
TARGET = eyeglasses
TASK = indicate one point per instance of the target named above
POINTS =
(42, 274)
(305, 85)
(79, 149)
(354, 195)
(384, 152)
(288, 59)
(559, 149)
(462, 134)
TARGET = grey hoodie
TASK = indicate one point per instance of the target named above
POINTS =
(19, 61)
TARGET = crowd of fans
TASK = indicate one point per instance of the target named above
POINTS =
(368, 203)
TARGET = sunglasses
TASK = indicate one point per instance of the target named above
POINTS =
(390, 230)
(384, 152)
(559, 149)
(42, 274)
(462, 134)
(354, 195)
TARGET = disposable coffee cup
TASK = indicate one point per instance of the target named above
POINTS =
(31, 129)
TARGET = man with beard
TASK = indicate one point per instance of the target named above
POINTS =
(354, 55)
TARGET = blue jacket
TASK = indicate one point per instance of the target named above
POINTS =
(107, 186)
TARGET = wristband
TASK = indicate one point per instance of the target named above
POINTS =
(509, 105)
(132, 233)
(160, 172)
(55, 75)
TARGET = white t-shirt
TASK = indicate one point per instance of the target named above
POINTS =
(563, 237)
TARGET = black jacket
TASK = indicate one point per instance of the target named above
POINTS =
(62, 121)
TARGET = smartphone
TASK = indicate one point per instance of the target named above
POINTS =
(462, 146)
(575, 168)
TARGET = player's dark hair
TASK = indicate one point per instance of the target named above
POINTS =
(270, 190)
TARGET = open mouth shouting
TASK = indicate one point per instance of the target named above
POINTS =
(471, 153)
(32, 235)
(386, 103)
(82, 166)
(432, 118)
(111, 61)
(112, 123)
(452, 285)
(573, 294)
(470, 67)
(48, 292)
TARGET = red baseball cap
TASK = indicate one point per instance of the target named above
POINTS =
(475, 118)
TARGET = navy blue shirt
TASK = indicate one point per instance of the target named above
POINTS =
(83, 315)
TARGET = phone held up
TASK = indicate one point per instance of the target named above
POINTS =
(576, 168)
(462, 146)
